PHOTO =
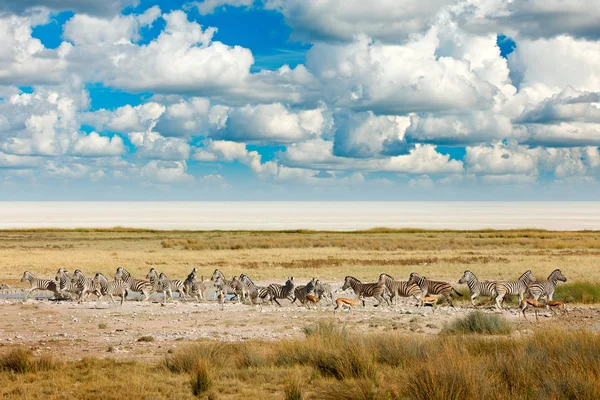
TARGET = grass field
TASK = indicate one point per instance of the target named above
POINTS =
(369, 354)
(332, 362)
(327, 255)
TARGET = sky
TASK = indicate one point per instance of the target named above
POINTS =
(299, 100)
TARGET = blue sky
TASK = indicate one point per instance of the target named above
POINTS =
(299, 100)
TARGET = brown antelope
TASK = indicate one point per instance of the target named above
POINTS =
(558, 305)
(310, 299)
(344, 302)
(526, 303)
(429, 301)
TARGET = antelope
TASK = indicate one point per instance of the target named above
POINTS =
(526, 303)
(558, 305)
(344, 302)
(429, 301)
(310, 299)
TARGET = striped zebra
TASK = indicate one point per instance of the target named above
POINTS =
(277, 291)
(255, 292)
(241, 289)
(476, 288)
(85, 286)
(518, 288)
(225, 285)
(134, 285)
(400, 288)
(169, 286)
(166, 286)
(443, 289)
(546, 288)
(362, 290)
(111, 288)
(323, 290)
(66, 287)
(300, 292)
(194, 288)
(39, 284)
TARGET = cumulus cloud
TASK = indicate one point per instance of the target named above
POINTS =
(94, 145)
(271, 123)
(202, 65)
(166, 172)
(126, 118)
(152, 145)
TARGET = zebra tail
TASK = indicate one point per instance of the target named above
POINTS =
(457, 292)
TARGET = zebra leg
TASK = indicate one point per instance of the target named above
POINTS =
(449, 299)
(112, 298)
(473, 300)
(274, 299)
(499, 300)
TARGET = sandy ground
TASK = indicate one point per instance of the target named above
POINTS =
(72, 331)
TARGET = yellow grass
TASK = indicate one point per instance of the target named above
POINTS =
(327, 255)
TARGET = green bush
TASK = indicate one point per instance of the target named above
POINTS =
(479, 322)
(578, 292)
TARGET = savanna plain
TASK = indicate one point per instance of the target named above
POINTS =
(149, 350)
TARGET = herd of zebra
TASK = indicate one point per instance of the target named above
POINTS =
(241, 288)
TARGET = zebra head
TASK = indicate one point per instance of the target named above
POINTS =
(414, 278)
(467, 276)
(216, 275)
(60, 274)
(346, 283)
(162, 277)
(99, 278)
(557, 275)
(290, 283)
(121, 274)
(151, 274)
(26, 276)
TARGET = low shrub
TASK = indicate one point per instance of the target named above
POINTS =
(479, 322)
(578, 292)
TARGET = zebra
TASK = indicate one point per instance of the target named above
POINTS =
(286, 291)
(362, 290)
(400, 288)
(111, 288)
(66, 286)
(300, 292)
(135, 285)
(485, 288)
(194, 288)
(166, 286)
(546, 288)
(39, 284)
(255, 292)
(323, 290)
(241, 289)
(85, 286)
(225, 284)
(517, 288)
(427, 286)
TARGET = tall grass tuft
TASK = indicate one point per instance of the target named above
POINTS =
(579, 292)
(293, 387)
(201, 380)
(21, 361)
(478, 322)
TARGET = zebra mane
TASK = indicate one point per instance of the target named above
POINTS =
(555, 272)
(525, 275)
(351, 278)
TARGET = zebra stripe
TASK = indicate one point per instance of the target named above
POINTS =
(517, 288)
(241, 289)
(476, 288)
(135, 285)
(362, 290)
(286, 291)
(223, 284)
(85, 286)
(111, 288)
(39, 284)
(323, 290)
(443, 289)
(256, 292)
(169, 286)
(546, 288)
(300, 292)
(194, 288)
(400, 288)
(66, 286)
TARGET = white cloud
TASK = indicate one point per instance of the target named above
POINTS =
(83, 29)
(166, 172)
(126, 118)
(94, 145)
(272, 123)
(209, 6)
(186, 118)
(151, 145)
(23, 59)
(18, 162)
(500, 160)
(202, 65)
